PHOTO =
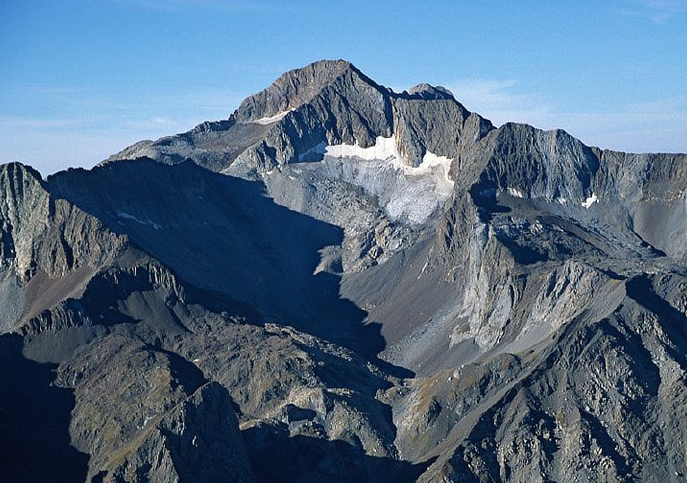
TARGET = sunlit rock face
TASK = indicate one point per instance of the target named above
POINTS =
(344, 283)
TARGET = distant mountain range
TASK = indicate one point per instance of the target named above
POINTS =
(343, 283)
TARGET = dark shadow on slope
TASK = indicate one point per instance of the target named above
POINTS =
(605, 441)
(483, 195)
(364, 385)
(656, 252)
(183, 371)
(521, 253)
(674, 322)
(223, 235)
(34, 421)
(277, 457)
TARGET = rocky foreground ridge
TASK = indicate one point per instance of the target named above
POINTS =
(345, 283)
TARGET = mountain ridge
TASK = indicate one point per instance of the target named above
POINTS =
(376, 111)
(369, 285)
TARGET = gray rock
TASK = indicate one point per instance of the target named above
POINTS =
(255, 308)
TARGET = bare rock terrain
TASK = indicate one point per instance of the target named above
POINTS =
(344, 283)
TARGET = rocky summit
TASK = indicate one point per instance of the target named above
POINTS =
(343, 283)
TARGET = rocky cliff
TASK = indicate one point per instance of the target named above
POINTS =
(340, 282)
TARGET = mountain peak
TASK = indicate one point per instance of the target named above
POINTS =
(296, 87)
(513, 298)
(326, 103)
(16, 169)
(430, 92)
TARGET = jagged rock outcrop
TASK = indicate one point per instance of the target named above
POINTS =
(45, 242)
(328, 102)
(345, 283)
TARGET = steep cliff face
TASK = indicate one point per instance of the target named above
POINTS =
(330, 103)
(50, 248)
(345, 283)
(648, 190)
(330, 111)
(39, 233)
(580, 407)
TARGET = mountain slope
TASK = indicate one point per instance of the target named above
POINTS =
(341, 282)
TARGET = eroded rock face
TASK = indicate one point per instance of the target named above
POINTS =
(344, 283)
(329, 102)
(161, 420)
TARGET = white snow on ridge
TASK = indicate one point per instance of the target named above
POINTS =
(384, 148)
(270, 120)
(590, 201)
(406, 193)
(430, 163)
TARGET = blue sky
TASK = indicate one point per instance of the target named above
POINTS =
(81, 79)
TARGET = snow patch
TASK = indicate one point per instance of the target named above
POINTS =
(590, 201)
(408, 194)
(129, 216)
(422, 272)
(515, 192)
(269, 120)
(431, 162)
(383, 149)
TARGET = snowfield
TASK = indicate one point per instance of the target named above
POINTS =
(407, 194)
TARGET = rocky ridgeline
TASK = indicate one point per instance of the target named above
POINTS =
(328, 102)
(345, 283)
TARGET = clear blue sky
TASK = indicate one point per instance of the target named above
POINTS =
(81, 79)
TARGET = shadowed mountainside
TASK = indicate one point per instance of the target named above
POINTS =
(344, 283)
(222, 234)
